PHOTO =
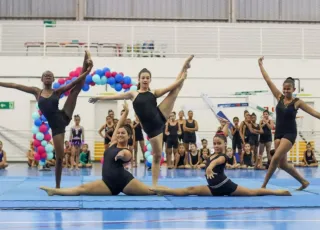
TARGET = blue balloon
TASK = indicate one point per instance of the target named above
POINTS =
(44, 143)
(111, 81)
(103, 80)
(96, 79)
(127, 80)
(49, 156)
(37, 122)
(41, 163)
(119, 78)
(88, 79)
(43, 118)
(118, 87)
(149, 160)
(48, 127)
(49, 148)
(146, 154)
(133, 88)
(35, 115)
(112, 86)
(99, 72)
(35, 129)
(85, 87)
(106, 69)
(56, 85)
(133, 82)
(149, 147)
(39, 136)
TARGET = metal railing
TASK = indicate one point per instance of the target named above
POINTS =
(160, 40)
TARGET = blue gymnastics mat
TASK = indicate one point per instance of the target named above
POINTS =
(24, 193)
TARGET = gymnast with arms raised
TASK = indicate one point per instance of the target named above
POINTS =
(48, 101)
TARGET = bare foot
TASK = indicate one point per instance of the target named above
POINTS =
(284, 193)
(157, 190)
(304, 185)
(50, 191)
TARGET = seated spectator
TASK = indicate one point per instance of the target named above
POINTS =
(181, 158)
(309, 159)
(204, 157)
(247, 157)
(231, 160)
(3, 157)
(85, 159)
(194, 156)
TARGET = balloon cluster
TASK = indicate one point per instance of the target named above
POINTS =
(148, 154)
(99, 77)
(41, 138)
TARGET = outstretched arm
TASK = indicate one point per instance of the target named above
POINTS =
(121, 122)
(120, 96)
(276, 93)
(302, 105)
(27, 89)
(220, 160)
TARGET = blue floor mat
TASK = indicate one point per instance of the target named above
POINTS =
(24, 193)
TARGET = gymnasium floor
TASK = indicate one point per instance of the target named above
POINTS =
(232, 217)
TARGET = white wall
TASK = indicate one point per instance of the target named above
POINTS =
(217, 78)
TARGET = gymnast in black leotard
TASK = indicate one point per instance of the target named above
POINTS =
(115, 179)
(152, 116)
(286, 127)
(48, 101)
(218, 183)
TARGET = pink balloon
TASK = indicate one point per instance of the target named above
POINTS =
(162, 161)
(61, 81)
(36, 143)
(108, 74)
(47, 137)
(41, 150)
(113, 74)
(125, 86)
(37, 157)
(43, 156)
(43, 128)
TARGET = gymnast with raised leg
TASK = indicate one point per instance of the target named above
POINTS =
(218, 183)
(151, 116)
(48, 101)
(115, 178)
(286, 126)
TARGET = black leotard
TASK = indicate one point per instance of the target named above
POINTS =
(58, 120)
(110, 131)
(76, 136)
(286, 126)
(172, 138)
(151, 118)
(266, 136)
(181, 160)
(138, 132)
(253, 137)
(194, 158)
(190, 137)
(220, 185)
(230, 160)
(236, 140)
(113, 173)
(309, 159)
(247, 159)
